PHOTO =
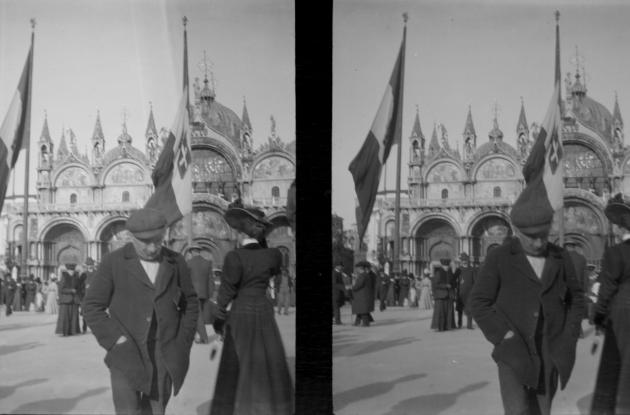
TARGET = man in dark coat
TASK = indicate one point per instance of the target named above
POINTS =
(9, 292)
(338, 292)
(383, 289)
(86, 278)
(201, 276)
(363, 294)
(466, 280)
(612, 316)
(143, 309)
(529, 304)
(441, 284)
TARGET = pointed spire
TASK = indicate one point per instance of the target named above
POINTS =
(495, 134)
(469, 127)
(151, 129)
(617, 113)
(416, 131)
(63, 146)
(522, 120)
(45, 135)
(245, 118)
(98, 128)
(434, 144)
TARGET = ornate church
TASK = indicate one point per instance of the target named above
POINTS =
(83, 200)
(461, 202)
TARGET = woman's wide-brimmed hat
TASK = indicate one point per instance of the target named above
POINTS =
(618, 210)
(238, 215)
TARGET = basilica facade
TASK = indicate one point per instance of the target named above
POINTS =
(83, 200)
(460, 202)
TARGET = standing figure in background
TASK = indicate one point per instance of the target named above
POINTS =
(363, 294)
(338, 292)
(459, 303)
(68, 318)
(426, 297)
(253, 375)
(384, 289)
(443, 314)
(284, 285)
(201, 276)
(30, 289)
(52, 295)
(467, 280)
(39, 295)
(612, 315)
(9, 294)
(18, 297)
(404, 289)
(413, 293)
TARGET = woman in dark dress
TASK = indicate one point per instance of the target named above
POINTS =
(443, 313)
(253, 376)
(68, 317)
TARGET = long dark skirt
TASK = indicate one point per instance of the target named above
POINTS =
(253, 375)
(68, 320)
(443, 315)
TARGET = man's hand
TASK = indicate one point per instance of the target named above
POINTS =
(218, 325)
(508, 335)
(121, 340)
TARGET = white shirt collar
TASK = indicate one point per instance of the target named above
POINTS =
(625, 236)
(247, 241)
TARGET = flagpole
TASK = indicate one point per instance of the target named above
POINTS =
(185, 87)
(557, 79)
(26, 164)
(396, 264)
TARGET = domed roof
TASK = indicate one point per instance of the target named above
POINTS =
(594, 115)
(124, 151)
(498, 146)
(223, 120)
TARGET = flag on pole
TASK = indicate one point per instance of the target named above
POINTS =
(384, 133)
(544, 167)
(172, 175)
(15, 129)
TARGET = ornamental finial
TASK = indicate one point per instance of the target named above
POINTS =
(405, 17)
(185, 20)
(33, 22)
(557, 16)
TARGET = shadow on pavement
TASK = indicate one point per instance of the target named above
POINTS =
(432, 404)
(55, 406)
(393, 321)
(343, 399)
(370, 346)
(6, 391)
(16, 326)
(584, 404)
(4, 350)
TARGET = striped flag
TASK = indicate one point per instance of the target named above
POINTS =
(16, 128)
(172, 175)
(544, 166)
(384, 133)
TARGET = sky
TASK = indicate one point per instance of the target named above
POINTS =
(482, 54)
(118, 56)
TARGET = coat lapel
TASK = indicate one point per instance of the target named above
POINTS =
(134, 267)
(520, 262)
(553, 264)
(166, 272)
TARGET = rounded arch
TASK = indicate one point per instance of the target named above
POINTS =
(258, 161)
(487, 230)
(478, 217)
(592, 144)
(213, 144)
(209, 249)
(461, 174)
(87, 180)
(146, 174)
(433, 216)
(435, 237)
(107, 222)
(502, 157)
(63, 221)
(64, 242)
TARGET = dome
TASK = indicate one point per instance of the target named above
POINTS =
(594, 115)
(124, 151)
(224, 121)
(501, 146)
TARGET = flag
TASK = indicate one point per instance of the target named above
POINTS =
(172, 175)
(384, 133)
(544, 166)
(16, 127)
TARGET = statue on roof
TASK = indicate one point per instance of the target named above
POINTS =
(468, 149)
(523, 145)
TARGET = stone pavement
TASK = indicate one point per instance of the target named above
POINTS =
(41, 373)
(399, 366)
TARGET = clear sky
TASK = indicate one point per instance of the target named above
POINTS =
(119, 55)
(466, 53)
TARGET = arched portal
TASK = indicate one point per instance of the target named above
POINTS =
(64, 244)
(435, 239)
(281, 237)
(583, 228)
(488, 233)
(114, 236)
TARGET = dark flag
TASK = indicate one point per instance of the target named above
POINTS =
(384, 133)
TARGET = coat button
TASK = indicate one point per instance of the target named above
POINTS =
(536, 314)
(148, 319)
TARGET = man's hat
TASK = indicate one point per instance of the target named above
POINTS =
(618, 210)
(445, 261)
(146, 223)
(531, 213)
(194, 247)
(238, 215)
(89, 261)
(363, 264)
(464, 257)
